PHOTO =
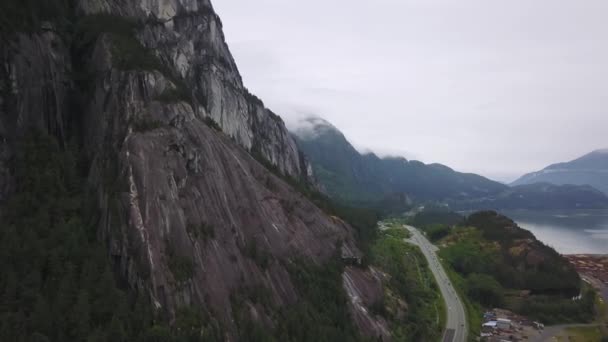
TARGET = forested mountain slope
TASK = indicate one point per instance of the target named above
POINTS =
(539, 196)
(349, 175)
(396, 183)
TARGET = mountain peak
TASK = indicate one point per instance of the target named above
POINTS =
(597, 159)
(351, 175)
(590, 169)
(311, 127)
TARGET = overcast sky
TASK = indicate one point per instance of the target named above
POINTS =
(499, 88)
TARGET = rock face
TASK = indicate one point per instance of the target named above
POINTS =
(364, 289)
(188, 214)
(34, 91)
(187, 37)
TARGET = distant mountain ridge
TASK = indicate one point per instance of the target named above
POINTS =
(539, 196)
(348, 175)
(590, 169)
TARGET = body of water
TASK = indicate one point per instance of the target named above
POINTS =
(568, 231)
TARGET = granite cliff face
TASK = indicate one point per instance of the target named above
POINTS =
(151, 92)
(186, 36)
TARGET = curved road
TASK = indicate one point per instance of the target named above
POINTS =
(456, 325)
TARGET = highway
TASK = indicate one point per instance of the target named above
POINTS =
(456, 325)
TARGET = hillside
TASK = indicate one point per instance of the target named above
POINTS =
(351, 176)
(590, 169)
(539, 196)
(395, 182)
(498, 264)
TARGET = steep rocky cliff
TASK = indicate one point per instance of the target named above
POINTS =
(151, 93)
(187, 38)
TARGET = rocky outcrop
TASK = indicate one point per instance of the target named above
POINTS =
(34, 91)
(192, 195)
(187, 37)
(365, 289)
(170, 134)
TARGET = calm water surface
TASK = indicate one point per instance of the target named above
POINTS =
(569, 231)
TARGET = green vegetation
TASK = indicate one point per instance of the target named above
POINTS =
(581, 334)
(470, 256)
(601, 308)
(203, 231)
(412, 286)
(485, 290)
(89, 27)
(435, 215)
(353, 177)
(421, 319)
(195, 325)
(494, 245)
(540, 196)
(342, 187)
(181, 266)
(212, 123)
(546, 273)
(28, 15)
(473, 309)
(57, 282)
(435, 221)
(174, 95)
(556, 310)
(144, 125)
(320, 314)
(436, 232)
(240, 302)
(127, 52)
(491, 252)
(260, 256)
(397, 233)
(363, 220)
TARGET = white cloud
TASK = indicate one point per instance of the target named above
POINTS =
(494, 87)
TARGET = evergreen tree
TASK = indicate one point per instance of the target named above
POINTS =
(81, 320)
(57, 283)
(42, 319)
